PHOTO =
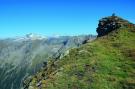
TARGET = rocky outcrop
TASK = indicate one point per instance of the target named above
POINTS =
(111, 23)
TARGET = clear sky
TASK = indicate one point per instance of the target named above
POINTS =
(59, 17)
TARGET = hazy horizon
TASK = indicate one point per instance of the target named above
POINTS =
(59, 17)
(43, 35)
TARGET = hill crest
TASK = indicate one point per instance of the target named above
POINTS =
(111, 23)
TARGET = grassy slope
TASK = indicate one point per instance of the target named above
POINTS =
(106, 63)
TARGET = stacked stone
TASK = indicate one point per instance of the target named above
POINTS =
(107, 25)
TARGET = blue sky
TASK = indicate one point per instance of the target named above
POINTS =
(59, 17)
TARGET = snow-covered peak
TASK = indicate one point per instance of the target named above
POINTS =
(30, 36)
(33, 36)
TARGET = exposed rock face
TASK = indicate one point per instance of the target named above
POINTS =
(108, 24)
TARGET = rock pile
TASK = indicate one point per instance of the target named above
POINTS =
(108, 24)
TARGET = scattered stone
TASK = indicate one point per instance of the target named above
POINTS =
(39, 84)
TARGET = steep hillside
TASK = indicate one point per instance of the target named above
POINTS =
(24, 56)
(106, 63)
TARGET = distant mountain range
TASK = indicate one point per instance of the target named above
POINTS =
(24, 56)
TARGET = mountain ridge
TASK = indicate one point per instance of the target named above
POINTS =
(105, 63)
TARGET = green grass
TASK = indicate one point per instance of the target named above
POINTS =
(106, 63)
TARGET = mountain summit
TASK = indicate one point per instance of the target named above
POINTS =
(108, 62)
(111, 23)
(33, 36)
(30, 36)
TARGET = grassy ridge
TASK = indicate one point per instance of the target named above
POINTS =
(106, 63)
